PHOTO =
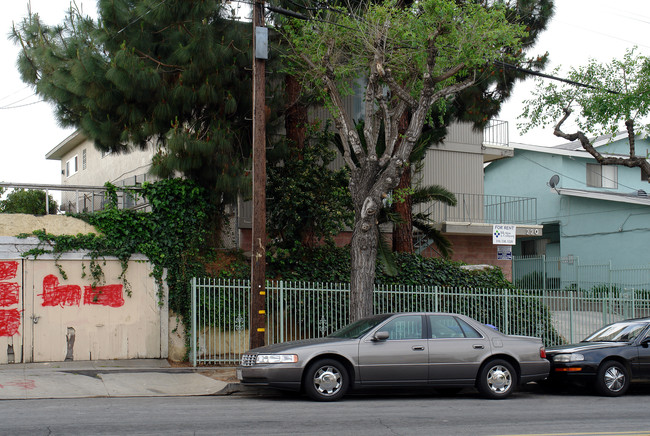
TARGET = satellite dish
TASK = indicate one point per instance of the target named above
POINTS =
(554, 181)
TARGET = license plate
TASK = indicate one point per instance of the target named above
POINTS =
(239, 376)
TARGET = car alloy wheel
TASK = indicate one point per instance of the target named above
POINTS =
(612, 379)
(497, 379)
(326, 380)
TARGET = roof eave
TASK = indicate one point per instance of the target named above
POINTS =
(58, 152)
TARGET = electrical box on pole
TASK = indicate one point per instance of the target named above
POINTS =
(258, 259)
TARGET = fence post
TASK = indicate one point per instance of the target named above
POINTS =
(544, 272)
(280, 315)
(437, 297)
(506, 316)
(571, 293)
(609, 290)
(193, 342)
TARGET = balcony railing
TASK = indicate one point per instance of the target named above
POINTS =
(82, 198)
(496, 133)
(478, 208)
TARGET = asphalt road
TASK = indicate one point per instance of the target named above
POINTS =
(530, 413)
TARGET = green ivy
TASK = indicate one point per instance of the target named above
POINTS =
(332, 265)
(172, 235)
(307, 201)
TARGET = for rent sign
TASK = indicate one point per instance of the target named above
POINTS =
(504, 234)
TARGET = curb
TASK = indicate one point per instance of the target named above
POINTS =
(240, 389)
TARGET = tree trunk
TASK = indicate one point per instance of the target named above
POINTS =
(365, 240)
(295, 125)
(295, 118)
(403, 232)
(363, 254)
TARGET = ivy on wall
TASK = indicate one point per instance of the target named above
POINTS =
(172, 236)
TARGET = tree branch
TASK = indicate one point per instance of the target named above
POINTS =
(396, 88)
(392, 137)
(449, 73)
(22, 43)
(631, 162)
(347, 130)
(452, 89)
(629, 124)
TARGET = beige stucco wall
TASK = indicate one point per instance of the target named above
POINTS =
(100, 169)
(69, 317)
(51, 310)
(15, 224)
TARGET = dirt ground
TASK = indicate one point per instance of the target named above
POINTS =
(13, 224)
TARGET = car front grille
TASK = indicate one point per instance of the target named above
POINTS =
(248, 359)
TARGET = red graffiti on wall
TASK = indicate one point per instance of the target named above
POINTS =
(70, 295)
(110, 295)
(9, 322)
(55, 295)
(9, 296)
(8, 270)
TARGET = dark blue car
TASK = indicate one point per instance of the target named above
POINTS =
(609, 359)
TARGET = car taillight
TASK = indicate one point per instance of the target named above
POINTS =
(542, 352)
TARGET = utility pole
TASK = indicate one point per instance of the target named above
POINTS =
(258, 260)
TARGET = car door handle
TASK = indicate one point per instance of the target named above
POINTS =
(477, 346)
(417, 348)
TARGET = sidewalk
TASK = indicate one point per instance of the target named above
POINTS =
(113, 378)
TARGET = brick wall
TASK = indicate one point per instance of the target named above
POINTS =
(475, 250)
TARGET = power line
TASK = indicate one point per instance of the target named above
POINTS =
(572, 178)
(14, 93)
(139, 18)
(22, 105)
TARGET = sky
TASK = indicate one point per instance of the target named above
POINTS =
(580, 30)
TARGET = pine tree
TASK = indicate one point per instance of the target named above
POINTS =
(173, 75)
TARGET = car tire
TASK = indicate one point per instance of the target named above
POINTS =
(612, 379)
(326, 380)
(497, 379)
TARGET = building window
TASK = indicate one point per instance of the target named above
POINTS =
(602, 176)
(83, 159)
(71, 166)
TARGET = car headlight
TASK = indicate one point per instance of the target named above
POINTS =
(276, 358)
(573, 357)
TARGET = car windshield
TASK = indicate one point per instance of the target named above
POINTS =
(359, 328)
(618, 332)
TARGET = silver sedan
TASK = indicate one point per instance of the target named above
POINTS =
(441, 350)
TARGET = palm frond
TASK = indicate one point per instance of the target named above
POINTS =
(440, 241)
(386, 257)
(433, 193)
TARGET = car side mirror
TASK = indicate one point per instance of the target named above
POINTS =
(381, 336)
(645, 342)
